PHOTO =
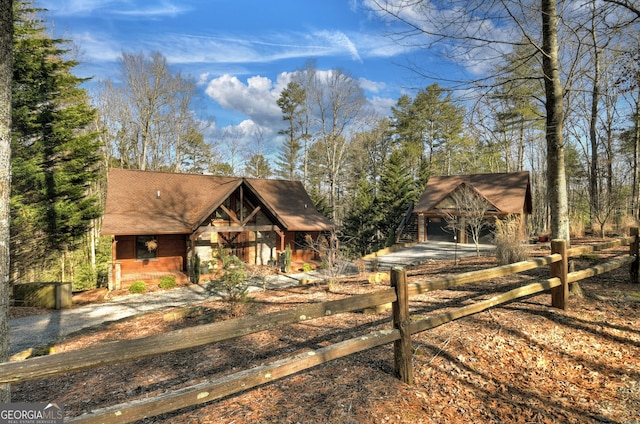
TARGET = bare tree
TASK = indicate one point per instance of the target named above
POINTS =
(232, 141)
(6, 72)
(338, 104)
(468, 213)
(149, 119)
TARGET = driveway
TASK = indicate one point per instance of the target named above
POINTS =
(40, 330)
(431, 250)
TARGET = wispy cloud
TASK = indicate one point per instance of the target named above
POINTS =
(156, 10)
(128, 8)
(228, 49)
(338, 40)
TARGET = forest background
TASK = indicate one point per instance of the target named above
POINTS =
(362, 170)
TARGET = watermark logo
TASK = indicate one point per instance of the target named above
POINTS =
(32, 413)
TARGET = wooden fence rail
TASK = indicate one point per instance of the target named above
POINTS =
(400, 334)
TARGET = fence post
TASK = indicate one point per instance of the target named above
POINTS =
(402, 350)
(560, 294)
(633, 251)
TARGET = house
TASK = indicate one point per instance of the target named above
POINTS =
(158, 220)
(505, 193)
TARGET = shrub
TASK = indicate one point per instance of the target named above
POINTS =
(307, 267)
(233, 284)
(138, 287)
(85, 278)
(167, 282)
(509, 246)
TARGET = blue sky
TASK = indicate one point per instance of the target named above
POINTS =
(240, 50)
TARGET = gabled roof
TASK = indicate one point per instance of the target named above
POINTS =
(149, 202)
(509, 192)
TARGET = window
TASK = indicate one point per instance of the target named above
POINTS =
(146, 247)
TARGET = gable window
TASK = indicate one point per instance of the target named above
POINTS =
(146, 247)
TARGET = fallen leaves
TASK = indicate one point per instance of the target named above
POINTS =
(522, 362)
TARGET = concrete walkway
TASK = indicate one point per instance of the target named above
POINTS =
(40, 330)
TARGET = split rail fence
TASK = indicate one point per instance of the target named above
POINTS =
(400, 334)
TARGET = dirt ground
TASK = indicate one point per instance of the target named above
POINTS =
(523, 362)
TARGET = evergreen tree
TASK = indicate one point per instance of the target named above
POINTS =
(54, 157)
(360, 228)
(429, 130)
(258, 167)
(396, 191)
(291, 102)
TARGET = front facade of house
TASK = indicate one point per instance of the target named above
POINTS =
(505, 194)
(158, 220)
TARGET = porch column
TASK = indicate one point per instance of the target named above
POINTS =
(422, 228)
(114, 276)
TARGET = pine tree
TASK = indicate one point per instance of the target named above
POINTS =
(429, 129)
(360, 228)
(291, 103)
(396, 191)
(54, 157)
(258, 167)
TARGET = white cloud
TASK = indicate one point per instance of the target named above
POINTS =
(371, 86)
(472, 39)
(255, 99)
(96, 48)
(382, 105)
(339, 42)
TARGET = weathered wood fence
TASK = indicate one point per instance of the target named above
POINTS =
(399, 335)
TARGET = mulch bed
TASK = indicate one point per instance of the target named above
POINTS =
(521, 362)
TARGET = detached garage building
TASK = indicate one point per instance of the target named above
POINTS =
(506, 194)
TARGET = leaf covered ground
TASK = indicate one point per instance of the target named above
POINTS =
(522, 362)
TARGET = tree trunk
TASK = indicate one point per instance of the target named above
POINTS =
(593, 121)
(556, 176)
(6, 72)
(636, 159)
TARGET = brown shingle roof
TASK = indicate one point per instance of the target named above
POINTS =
(510, 192)
(146, 202)
(291, 204)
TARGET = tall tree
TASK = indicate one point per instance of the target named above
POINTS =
(429, 128)
(338, 105)
(6, 66)
(148, 118)
(396, 192)
(291, 102)
(516, 106)
(360, 230)
(556, 177)
(307, 79)
(55, 157)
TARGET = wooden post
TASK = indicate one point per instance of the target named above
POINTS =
(634, 267)
(402, 348)
(560, 294)
(112, 281)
